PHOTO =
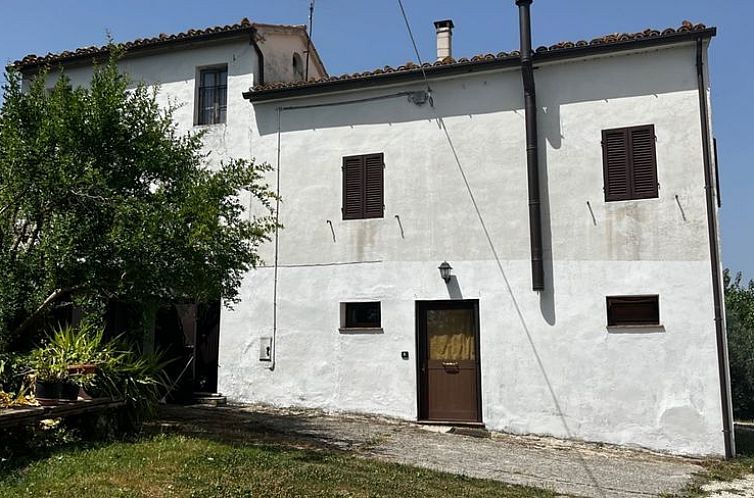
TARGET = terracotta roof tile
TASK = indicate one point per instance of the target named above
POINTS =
(610, 39)
(33, 60)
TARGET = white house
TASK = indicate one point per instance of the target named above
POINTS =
(457, 251)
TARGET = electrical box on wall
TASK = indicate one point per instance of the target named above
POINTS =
(265, 349)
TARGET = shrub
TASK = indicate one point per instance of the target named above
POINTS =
(739, 307)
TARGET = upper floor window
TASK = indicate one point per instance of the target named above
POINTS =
(298, 67)
(213, 95)
(363, 186)
(630, 163)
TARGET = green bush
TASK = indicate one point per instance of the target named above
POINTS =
(739, 307)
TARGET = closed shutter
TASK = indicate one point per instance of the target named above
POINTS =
(643, 162)
(363, 186)
(373, 188)
(616, 166)
(630, 163)
(353, 187)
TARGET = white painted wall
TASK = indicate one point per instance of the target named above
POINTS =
(549, 365)
(176, 73)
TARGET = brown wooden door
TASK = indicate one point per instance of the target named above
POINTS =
(448, 361)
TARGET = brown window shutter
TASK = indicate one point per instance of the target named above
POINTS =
(353, 187)
(616, 166)
(643, 162)
(374, 186)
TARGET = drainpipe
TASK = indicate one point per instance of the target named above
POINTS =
(260, 58)
(532, 154)
(722, 343)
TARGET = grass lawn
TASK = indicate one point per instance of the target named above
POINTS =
(180, 466)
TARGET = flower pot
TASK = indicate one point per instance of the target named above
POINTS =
(69, 391)
(48, 392)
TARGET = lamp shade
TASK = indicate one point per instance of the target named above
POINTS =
(445, 270)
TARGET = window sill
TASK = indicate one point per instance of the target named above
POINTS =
(209, 125)
(638, 328)
(361, 330)
(633, 199)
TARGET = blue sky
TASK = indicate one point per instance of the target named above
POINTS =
(355, 35)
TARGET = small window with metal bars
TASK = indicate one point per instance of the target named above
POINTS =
(213, 95)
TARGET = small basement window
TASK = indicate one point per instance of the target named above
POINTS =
(633, 311)
(361, 315)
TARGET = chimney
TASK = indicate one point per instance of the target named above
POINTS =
(444, 30)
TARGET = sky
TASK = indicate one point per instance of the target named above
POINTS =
(358, 35)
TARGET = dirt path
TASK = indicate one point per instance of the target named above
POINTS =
(571, 468)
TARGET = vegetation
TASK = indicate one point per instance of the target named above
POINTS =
(739, 307)
(12, 400)
(103, 198)
(118, 369)
(176, 465)
(726, 470)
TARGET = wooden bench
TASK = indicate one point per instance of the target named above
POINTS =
(32, 414)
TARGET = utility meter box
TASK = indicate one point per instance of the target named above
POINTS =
(265, 349)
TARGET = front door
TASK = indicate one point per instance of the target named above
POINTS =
(448, 361)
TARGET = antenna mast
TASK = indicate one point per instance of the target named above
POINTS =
(309, 39)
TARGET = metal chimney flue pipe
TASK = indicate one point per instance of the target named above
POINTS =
(532, 147)
(444, 31)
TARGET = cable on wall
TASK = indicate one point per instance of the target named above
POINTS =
(273, 353)
(309, 39)
(416, 51)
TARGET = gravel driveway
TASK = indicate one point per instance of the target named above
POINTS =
(570, 468)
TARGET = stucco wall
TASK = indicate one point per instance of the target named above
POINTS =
(279, 47)
(549, 365)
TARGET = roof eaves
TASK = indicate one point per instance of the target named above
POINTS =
(448, 67)
(33, 62)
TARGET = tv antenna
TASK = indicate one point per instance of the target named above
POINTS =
(309, 39)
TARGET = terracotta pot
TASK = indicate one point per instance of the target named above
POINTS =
(82, 368)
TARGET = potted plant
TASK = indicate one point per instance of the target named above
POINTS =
(50, 375)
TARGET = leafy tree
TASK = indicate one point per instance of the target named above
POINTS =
(739, 307)
(102, 198)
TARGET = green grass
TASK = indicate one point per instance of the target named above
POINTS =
(180, 466)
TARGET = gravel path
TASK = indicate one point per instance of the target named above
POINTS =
(733, 489)
(569, 468)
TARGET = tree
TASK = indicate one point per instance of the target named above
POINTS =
(102, 198)
(739, 308)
